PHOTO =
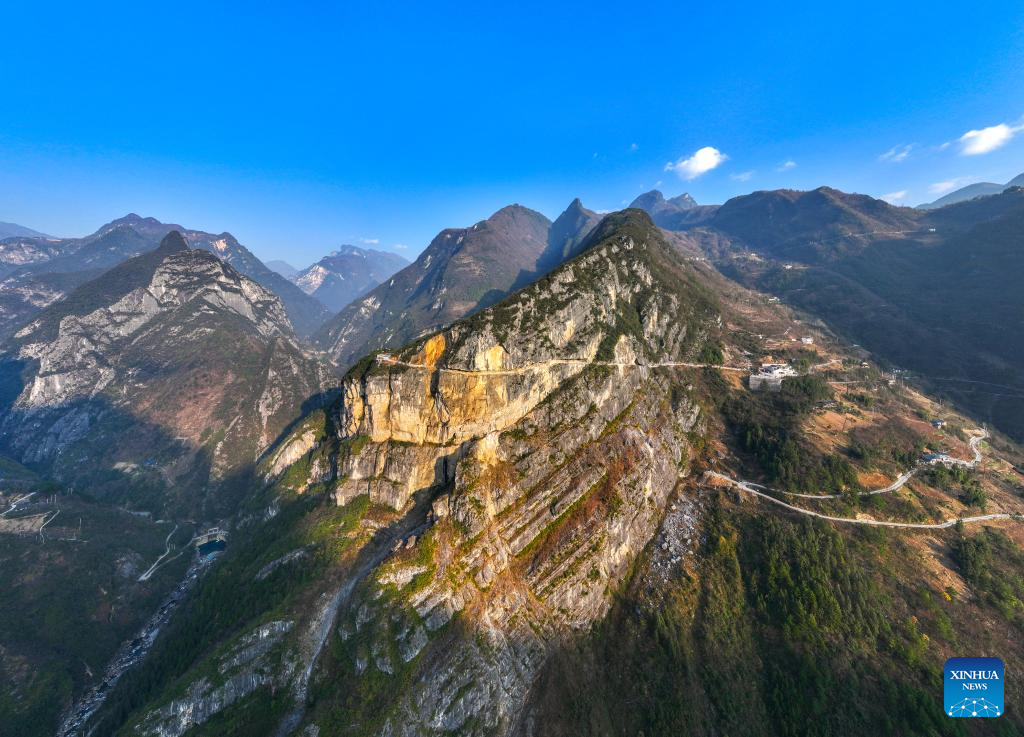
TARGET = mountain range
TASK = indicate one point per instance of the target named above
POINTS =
(915, 287)
(347, 274)
(673, 213)
(164, 377)
(523, 524)
(525, 485)
(36, 272)
(971, 191)
(13, 230)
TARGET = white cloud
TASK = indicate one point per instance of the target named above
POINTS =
(703, 160)
(401, 247)
(787, 165)
(943, 186)
(893, 197)
(743, 176)
(984, 140)
(633, 147)
(369, 241)
(896, 154)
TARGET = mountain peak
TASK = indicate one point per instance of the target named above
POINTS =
(133, 219)
(347, 274)
(13, 230)
(173, 242)
(651, 199)
(567, 235)
(683, 201)
(516, 212)
(671, 214)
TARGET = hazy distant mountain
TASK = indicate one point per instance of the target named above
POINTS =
(673, 213)
(283, 268)
(346, 274)
(971, 191)
(37, 272)
(305, 313)
(13, 230)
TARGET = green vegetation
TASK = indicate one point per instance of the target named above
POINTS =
(959, 479)
(766, 425)
(353, 693)
(785, 632)
(889, 442)
(67, 606)
(231, 599)
(245, 718)
(991, 563)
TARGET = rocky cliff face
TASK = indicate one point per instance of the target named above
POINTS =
(171, 362)
(555, 449)
(521, 459)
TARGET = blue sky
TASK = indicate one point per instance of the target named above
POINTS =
(300, 128)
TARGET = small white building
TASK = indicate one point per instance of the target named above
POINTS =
(770, 376)
(807, 340)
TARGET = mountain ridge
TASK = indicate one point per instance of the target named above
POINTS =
(461, 271)
(13, 230)
(972, 191)
(36, 272)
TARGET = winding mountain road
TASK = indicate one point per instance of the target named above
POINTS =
(755, 489)
(744, 486)
(901, 480)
